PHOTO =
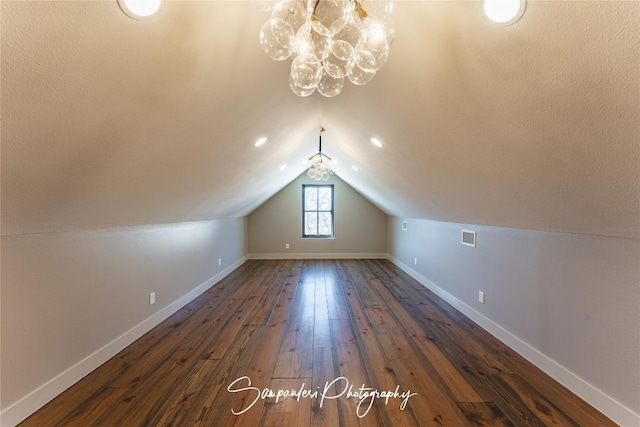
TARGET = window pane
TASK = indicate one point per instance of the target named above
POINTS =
(317, 211)
(310, 223)
(325, 223)
(310, 198)
(325, 198)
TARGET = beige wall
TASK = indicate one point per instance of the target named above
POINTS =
(574, 298)
(66, 295)
(360, 227)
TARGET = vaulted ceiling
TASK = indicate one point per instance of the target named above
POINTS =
(109, 121)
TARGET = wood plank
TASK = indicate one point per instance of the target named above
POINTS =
(231, 283)
(353, 372)
(287, 411)
(324, 412)
(485, 414)
(192, 395)
(295, 356)
(396, 286)
(311, 268)
(336, 303)
(321, 329)
(93, 408)
(533, 407)
(268, 290)
(227, 328)
(255, 311)
(216, 407)
(355, 278)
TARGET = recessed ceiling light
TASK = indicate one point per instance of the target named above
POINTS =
(504, 12)
(376, 142)
(283, 167)
(261, 141)
(355, 168)
(140, 9)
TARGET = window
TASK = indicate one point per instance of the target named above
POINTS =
(317, 211)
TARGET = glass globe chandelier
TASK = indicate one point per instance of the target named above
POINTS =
(329, 41)
(320, 165)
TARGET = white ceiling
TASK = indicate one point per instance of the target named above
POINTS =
(109, 121)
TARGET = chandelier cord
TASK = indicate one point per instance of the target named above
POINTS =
(318, 168)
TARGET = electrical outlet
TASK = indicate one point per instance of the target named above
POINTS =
(219, 261)
(481, 297)
(286, 246)
(415, 261)
(152, 298)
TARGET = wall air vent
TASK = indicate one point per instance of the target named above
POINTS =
(469, 238)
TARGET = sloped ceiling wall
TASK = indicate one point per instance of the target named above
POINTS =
(108, 121)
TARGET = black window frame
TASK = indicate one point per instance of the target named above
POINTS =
(318, 210)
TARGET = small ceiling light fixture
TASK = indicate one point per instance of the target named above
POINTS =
(261, 141)
(320, 165)
(355, 168)
(504, 12)
(140, 9)
(283, 167)
(376, 142)
(329, 41)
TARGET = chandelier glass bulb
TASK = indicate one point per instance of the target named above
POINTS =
(320, 169)
(329, 41)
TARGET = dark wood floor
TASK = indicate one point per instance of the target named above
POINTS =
(330, 335)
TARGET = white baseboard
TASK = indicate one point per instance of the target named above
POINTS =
(613, 409)
(289, 255)
(33, 401)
